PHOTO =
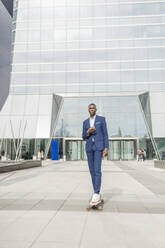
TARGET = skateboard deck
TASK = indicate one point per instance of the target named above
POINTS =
(96, 206)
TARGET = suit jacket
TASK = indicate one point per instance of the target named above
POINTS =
(98, 140)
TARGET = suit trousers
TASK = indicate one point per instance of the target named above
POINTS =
(94, 163)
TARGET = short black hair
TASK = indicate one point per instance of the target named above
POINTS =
(92, 104)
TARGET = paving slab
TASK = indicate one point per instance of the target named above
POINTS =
(45, 207)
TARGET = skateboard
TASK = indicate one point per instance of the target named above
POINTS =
(96, 206)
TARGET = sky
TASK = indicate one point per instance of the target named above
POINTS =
(5, 52)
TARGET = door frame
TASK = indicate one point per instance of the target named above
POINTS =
(136, 143)
(135, 139)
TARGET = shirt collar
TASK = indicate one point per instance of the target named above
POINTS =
(93, 117)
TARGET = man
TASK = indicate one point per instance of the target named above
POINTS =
(96, 136)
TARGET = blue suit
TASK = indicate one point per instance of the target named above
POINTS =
(96, 142)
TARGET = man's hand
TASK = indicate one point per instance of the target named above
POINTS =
(91, 130)
(105, 152)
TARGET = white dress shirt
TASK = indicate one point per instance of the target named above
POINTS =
(92, 121)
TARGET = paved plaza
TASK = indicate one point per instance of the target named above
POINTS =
(45, 207)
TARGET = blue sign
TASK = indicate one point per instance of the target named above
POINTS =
(55, 149)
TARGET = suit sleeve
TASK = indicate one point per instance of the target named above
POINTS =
(105, 133)
(84, 133)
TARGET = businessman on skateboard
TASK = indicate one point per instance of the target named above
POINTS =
(96, 136)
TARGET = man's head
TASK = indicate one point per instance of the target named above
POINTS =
(92, 109)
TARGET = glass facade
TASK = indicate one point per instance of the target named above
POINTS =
(123, 116)
(110, 52)
(29, 149)
(78, 46)
(9, 6)
(5, 52)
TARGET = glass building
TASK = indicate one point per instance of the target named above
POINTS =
(69, 53)
(5, 50)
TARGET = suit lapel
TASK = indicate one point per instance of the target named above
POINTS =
(95, 121)
(88, 123)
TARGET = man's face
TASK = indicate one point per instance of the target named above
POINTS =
(92, 110)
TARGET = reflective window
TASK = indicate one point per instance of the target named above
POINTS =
(84, 47)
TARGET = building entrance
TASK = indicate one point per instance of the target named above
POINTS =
(121, 149)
